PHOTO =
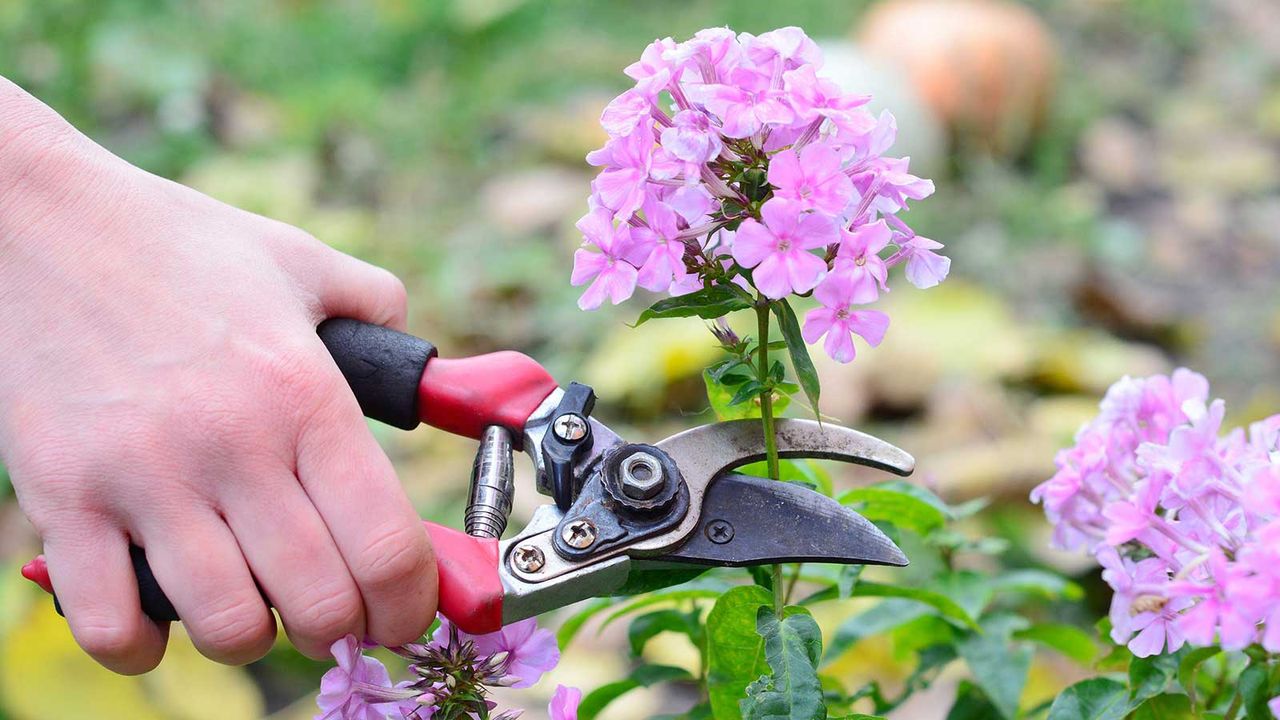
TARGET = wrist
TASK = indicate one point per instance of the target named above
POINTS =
(45, 164)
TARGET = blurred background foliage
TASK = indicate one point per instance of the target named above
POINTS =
(1108, 180)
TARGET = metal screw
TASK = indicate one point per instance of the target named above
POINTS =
(579, 534)
(570, 427)
(719, 531)
(642, 476)
(528, 558)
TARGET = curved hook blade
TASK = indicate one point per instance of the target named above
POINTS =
(708, 450)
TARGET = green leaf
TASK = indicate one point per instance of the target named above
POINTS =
(791, 691)
(971, 704)
(762, 576)
(1048, 585)
(747, 391)
(1150, 676)
(729, 397)
(848, 579)
(970, 590)
(645, 627)
(1066, 639)
(661, 596)
(570, 628)
(1253, 688)
(1092, 699)
(923, 633)
(892, 506)
(882, 616)
(970, 508)
(735, 652)
(919, 492)
(999, 667)
(643, 676)
(1191, 663)
(1165, 707)
(806, 373)
(642, 580)
(708, 303)
(943, 604)
(803, 471)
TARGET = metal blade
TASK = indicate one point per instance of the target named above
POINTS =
(754, 521)
(704, 452)
(708, 452)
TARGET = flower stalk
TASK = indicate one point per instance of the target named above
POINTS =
(766, 420)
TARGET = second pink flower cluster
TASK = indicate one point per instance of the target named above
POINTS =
(1185, 520)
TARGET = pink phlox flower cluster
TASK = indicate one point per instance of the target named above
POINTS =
(733, 160)
(1183, 518)
(452, 670)
(524, 650)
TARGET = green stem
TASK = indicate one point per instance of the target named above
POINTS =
(766, 418)
(1234, 707)
(791, 585)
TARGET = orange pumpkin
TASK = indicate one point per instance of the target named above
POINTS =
(985, 67)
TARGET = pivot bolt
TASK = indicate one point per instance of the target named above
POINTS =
(719, 531)
(642, 476)
(570, 427)
(528, 558)
(579, 534)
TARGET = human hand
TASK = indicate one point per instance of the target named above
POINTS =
(162, 384)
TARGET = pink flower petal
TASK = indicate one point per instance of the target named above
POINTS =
(587, 265)
(753, 243)
(804, 270)
(870, 324)
(784, 170)
(839, 344)
(564, 703)
(817, 322)
(771, 275)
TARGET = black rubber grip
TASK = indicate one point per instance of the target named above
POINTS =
(383, 367)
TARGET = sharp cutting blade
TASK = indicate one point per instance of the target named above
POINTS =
(753, 521)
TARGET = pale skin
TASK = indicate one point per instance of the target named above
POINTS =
(161, 383)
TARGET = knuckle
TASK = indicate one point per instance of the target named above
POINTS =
(49, 457)
(329, 613)
(58, 487)
(235, 627)
(107, 640)
(296, 375)
(212, 419)
(288, 237)
(394, 555)
(395, 294)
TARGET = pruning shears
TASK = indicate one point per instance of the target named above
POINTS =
(620, 509)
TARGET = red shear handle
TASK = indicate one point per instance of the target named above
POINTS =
(398, 379)
(470, 588)
(465, 395)
(470, 592)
